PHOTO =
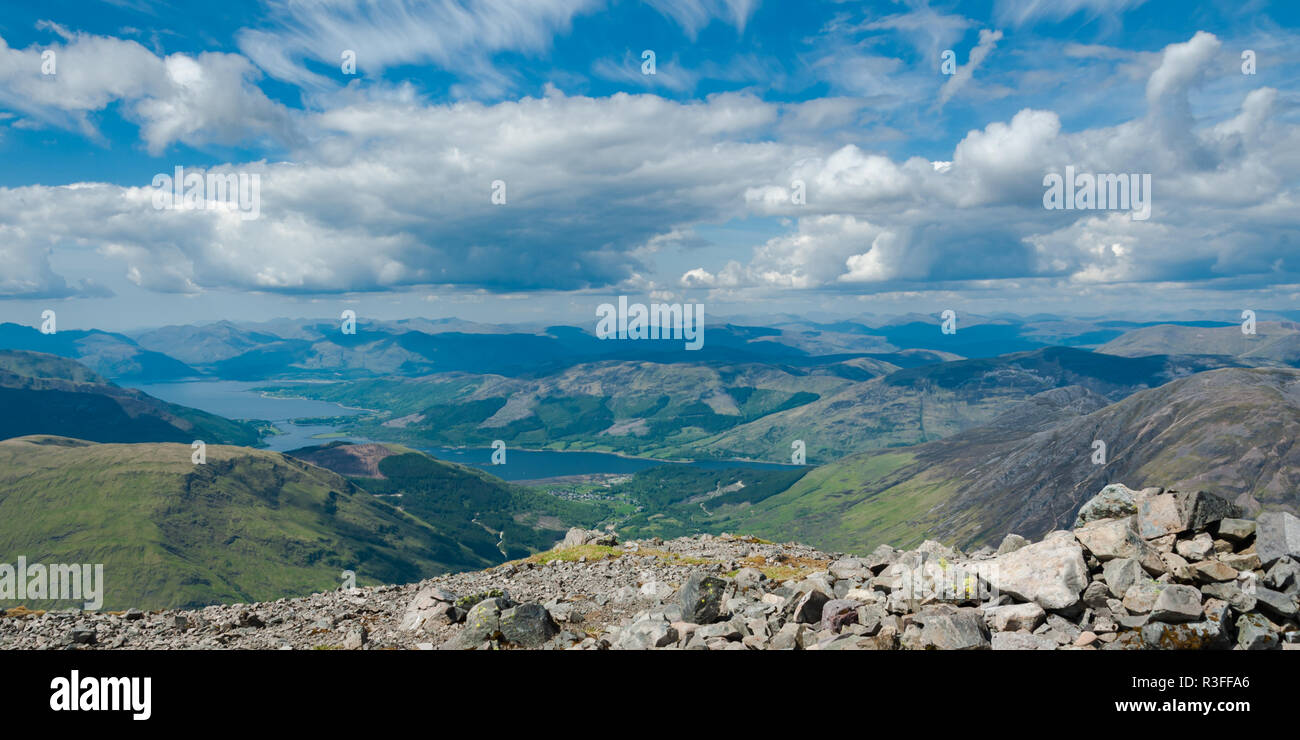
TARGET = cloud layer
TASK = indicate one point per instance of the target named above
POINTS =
(383, 189)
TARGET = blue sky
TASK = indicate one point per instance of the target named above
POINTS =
(923, 190)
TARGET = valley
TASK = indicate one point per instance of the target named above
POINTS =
(905, 443)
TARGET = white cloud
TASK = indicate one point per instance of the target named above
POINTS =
(209, 98)
(1027, 12)
(964, 74)
(694, 15)
(456, 35)
(1221, 193)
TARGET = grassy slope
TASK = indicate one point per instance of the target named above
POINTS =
(853, 506)
(249, 525)
(46, 394)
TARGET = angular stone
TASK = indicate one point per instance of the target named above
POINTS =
(1160, 515)
(808, 610)
(749, 578)
(1133, 621)
(788, 637)
(1202, 509)
(1275, 603)
(837, 613)
(1213, 571)
(1015, 617)
(1120, 574)
(1064, 631)
(1197, 548)
(1236, 530)
(1021, 641)
(1141, 596)
(1051, 573)
(701, 598)
(1112, 502)
(1165, 544)
(1254, 632)
(1126, 641)
(860, 642)
(850, 569)
(958, 629)
(483, 622)
(1177, 603)
(646, 634)
(1241, 560)
(656, 590)
(1096, 595)
(431, 607)
(1277, 535)
(729, 631)
(1011, 543)
(575, 537)
(880, 558)
(1284, 576)
(529, 625)
(871, 617)
(1229, 592)
(1119, 538)
(1207, 635)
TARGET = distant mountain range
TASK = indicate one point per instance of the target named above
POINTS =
(111, 355)
(307, 348)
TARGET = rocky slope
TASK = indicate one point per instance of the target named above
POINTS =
(1150, 569)
(1029, 470)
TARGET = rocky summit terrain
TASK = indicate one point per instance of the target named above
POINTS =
(1150, 569)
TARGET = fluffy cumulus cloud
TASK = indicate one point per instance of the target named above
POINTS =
(1222, 203)
(206, 98)
(384, 190)
(395, 195)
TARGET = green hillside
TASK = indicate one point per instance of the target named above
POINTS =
(45, 394)
(249, 525)
(494, 519)
(640, 408)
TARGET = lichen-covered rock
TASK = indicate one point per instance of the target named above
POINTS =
(529, 625)
(1112, 502)
(701, 598)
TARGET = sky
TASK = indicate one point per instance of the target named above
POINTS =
(516, 160)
